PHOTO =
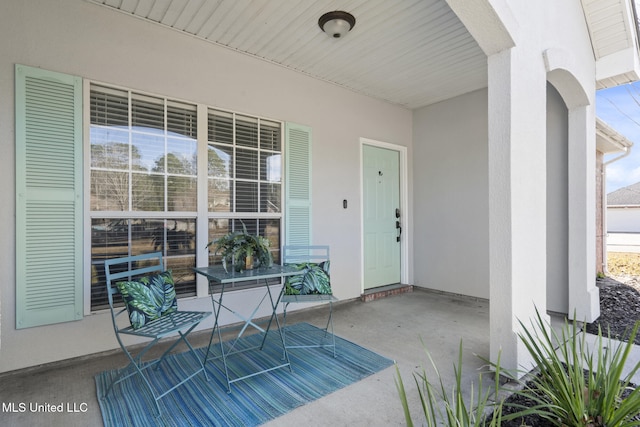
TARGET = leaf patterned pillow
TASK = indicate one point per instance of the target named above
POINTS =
(314, 280)
(149, 298)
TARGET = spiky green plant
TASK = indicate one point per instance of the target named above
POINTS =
(442, 408)
(577, 386)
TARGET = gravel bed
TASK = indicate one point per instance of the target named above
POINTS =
(619, 307)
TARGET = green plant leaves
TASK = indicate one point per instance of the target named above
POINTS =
(144, 297)
(577, 386)
(148, 298)
(441, 408)
(235, 247)
(314, 280)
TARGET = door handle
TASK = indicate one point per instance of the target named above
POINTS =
(399, 228)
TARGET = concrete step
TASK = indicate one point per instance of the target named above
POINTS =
(385, 291)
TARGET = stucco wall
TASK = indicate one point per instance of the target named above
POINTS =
(557, 203)
(76, 37)
(531, 44)
(451, 220)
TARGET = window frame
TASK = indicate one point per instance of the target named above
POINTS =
(202, 216)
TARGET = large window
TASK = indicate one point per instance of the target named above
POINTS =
(144, 181)
(244, 170)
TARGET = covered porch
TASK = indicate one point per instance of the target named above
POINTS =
(392, 327)
(497, 154)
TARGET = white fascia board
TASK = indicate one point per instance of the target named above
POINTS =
(624, 62)
(608, 140)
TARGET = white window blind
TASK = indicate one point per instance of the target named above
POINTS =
(143, 153)
(245, 177)
(144, 180)
(244, 164)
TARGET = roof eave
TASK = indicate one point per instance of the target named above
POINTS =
(615, 44)
(608, 140)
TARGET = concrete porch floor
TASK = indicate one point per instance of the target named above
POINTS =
(393, 327)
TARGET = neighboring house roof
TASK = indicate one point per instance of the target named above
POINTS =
(625, 196)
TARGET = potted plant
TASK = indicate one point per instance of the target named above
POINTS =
(242, 250)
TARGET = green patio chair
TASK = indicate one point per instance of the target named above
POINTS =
(314, 286)
(150, 300)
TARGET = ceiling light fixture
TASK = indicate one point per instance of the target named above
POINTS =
(337, 23)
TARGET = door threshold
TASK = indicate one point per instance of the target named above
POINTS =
(385, 291)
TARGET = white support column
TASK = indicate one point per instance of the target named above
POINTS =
(517, 199)
(584, 297)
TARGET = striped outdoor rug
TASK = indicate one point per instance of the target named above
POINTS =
(251, 402)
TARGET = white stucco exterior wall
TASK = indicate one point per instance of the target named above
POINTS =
(76, 37)
(517, 199)
(451, 196)
(570, 68)
(540, 41)
(557, 203)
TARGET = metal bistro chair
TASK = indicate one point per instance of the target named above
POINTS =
(315, 261)
(122, 272)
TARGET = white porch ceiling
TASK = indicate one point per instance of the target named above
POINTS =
(411, 53)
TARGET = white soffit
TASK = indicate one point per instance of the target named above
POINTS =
(411, 53)
(614, 37)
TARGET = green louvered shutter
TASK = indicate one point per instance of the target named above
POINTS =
(48, 197)
(298, 184)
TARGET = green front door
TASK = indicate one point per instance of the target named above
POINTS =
(382, 216)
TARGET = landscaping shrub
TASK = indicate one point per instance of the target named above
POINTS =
(577, 386)
(440, 407)
(574, 386)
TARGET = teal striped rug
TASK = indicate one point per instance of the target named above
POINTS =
(251, 402)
